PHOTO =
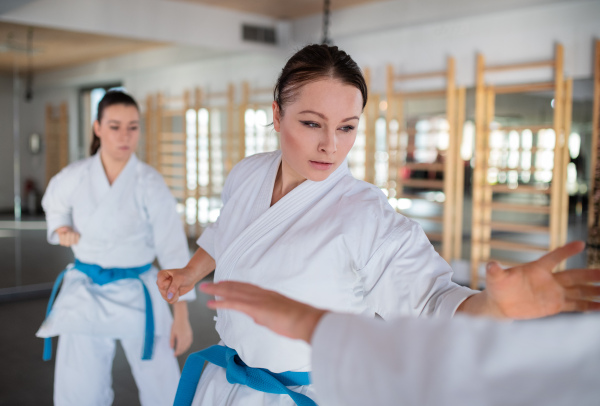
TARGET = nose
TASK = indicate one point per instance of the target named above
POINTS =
(328, 143)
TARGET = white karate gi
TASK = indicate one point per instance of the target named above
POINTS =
(123, 225)
(463, 361)
(335, 244)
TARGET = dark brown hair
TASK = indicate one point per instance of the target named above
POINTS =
(316, 62)
(111, 98)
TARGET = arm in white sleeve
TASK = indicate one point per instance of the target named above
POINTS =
(170, 241)
(57, 202)
(405, 276)
(461, 361)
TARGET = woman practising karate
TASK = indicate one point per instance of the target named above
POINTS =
(295, 221)
(117, 215)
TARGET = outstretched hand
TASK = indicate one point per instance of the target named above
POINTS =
(531, 290)
(278, 313)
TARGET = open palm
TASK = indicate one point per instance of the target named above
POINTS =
(532, 290)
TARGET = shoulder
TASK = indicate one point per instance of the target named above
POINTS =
(362, 200)
(73, 173)
(256, 162)
(252, 167)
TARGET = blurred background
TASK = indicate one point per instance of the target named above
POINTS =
(482, 125)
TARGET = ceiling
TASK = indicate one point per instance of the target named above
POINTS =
(281, 9)
(55, 49)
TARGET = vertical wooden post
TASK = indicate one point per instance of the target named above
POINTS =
(564, 198)
(63, 125)
(449, 163)
(460, 176)
(486, 209)
(389, 116)
(556, 187)
(242, 118)
(230, 161)
(478, 173)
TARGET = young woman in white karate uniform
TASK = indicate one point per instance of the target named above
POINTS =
(117, 215)
(295, 221)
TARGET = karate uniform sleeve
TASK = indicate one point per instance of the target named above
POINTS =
(207, 238)
(170, 241)
(461, 361)
(57, 203)
(405, 276)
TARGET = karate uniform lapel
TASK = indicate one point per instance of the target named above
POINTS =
(107, 196)
(304, 195)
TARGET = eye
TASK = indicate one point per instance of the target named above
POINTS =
(310, 124)
(133, 128)
(347, 128)
(114, 128)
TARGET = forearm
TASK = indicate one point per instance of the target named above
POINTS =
(200, 265)
(180, 310)
(479, 305)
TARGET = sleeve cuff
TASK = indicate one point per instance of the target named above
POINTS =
(188, 297)
(206, 241)
(452, 300)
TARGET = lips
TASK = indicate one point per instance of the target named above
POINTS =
(323, 166)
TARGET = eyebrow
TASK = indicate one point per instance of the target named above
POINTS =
(325, 118)
(118, 122)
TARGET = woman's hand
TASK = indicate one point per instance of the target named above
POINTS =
(66, 236)
(181, 330)
(173, 283)
(531, 290)
(278, 313)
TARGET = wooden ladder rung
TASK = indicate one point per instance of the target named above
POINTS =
(523, 208)
(520, 189)
(423, 183)
(524, 88)
(518, 227)
(515, 246)
(419, 166)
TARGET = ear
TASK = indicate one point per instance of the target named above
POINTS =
(276, 116)
(97, 128)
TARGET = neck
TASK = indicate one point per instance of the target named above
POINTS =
(112, 167)
(286, 181)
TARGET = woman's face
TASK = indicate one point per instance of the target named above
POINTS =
(119, 131)
(318, 129)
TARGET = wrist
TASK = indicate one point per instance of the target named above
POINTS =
(480, 304)
(309, 323)
(180, 310)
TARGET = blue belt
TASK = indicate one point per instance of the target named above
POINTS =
(238, 372)
(102, 276)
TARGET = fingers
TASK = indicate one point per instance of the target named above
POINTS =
(581, 306)
(574, 277)
(555, 257)
(168, 285)
(583, 292)
(67, 237)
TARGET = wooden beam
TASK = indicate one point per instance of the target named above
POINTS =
(421, 75)
(517, 66)
(525, 87)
